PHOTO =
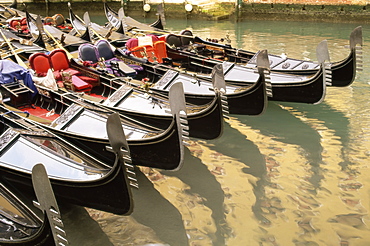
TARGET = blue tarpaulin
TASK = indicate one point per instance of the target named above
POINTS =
(10, 70)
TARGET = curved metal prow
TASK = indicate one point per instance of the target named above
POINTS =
(219, 84)
(323, 57)
(322, 52)
(356, 37)
(178, 108)
(121, 14)
(47, 203)
(355, 43)
(78, 24)
(218, 78)
(263, 60)
(14, 4)
(263, 66)
(118, 142)
(161, 15)
(122, 19)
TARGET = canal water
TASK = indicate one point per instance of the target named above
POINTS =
(297, 175)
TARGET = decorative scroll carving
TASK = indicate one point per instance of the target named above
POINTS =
(7, 137)
(67, 115)
(167, 78)
(118, 95)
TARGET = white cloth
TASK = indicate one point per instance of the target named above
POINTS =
(48, 81)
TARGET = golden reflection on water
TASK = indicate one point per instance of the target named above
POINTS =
(297, 175)
(307, 184)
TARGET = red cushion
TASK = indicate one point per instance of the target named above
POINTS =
(132, 43)
(59, 59)
(39, 62)
(138, 51)
(14, 23)
(154, 37)
(88, 79)
(160, 50)
(79, 84)
(162, 38)
(72, 71)
(24, 21)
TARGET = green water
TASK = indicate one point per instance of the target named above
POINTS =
(296, 175)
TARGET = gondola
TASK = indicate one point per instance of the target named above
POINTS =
(198, 115)
(250, 100)
(117, 39)
(343, 72)
(123, 24)
(75, 176)
(285, 87)
(20, 223)
(241, 100)
(20, 46)
(148, 145)
(12, 12)
(69, 42)
(205, 121)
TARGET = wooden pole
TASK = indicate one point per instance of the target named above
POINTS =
(17, 58)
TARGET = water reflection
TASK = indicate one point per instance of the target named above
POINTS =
(203, 187)
(153, 210)
(296, 175)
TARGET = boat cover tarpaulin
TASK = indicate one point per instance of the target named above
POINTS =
(10, 70)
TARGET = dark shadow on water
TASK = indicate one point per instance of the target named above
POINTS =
(153, 210)
(283, 126)
(196, 175)
(333, 120)
(80, 228)
(236, 145)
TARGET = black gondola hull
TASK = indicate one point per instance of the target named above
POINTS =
(108, 194)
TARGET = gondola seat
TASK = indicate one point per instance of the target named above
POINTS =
(154, 52)
(87, 52)
(49, 21)
(132, 43)
(138, 51)
(173, 40)
(144, 51)
(80, 85)
(102, 51)
(186, 37)
(105, 51)
(40, 63)
(19, 25)
(160, 50)
(112, 63)
(154, 38)
(59, 19)
(60, 62)
(162, 38)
